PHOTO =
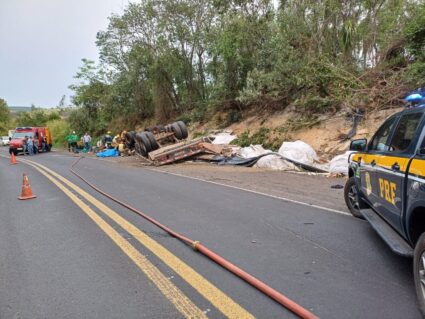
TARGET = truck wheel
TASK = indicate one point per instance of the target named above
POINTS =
(352, 199)
(140, 149)
(142, 138)
(177, 131)
(183, 128)
(129, 139)
(419, 272)
(152, 140)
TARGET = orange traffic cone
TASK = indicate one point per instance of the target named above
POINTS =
(13, 159)
(26, 189)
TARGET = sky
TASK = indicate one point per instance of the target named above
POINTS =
(42, 43)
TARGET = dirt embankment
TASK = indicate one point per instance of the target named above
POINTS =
(324, 133)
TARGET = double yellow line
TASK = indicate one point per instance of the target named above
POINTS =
(182, 303)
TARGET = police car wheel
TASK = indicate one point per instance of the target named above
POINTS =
(351, 197)
(419, 272)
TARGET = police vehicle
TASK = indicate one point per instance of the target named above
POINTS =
(386, 185)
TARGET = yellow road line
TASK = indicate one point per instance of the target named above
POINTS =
(220, 300)
(183, 304)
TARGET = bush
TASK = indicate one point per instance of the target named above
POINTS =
(186, 119)
(262, 137)
(59, 129)
(415, 74)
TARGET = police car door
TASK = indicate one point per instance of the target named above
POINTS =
(391, 166)
(378, 145)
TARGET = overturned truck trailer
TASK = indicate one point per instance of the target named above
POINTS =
(167, 144)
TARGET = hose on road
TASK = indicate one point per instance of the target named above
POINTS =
(258, 284)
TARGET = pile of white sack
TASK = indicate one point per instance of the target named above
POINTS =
(297, 151)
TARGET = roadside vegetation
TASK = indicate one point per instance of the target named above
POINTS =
(55, 119)
(196, 58)
(215, 61)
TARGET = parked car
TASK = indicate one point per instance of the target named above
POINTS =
(4, 140)
(386, 186)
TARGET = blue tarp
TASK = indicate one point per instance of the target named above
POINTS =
(108, 153)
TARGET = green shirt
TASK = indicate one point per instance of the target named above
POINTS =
(72, 138)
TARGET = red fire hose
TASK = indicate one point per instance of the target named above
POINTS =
(258, 284)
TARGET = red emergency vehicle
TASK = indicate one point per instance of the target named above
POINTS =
(41, 136)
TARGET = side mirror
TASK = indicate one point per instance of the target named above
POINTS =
(358, 145)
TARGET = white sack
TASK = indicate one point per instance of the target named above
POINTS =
(252, 151)
(276, 163)
(224, 138)
(298, 151)
(339, 164)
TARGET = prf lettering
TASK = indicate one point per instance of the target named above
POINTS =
(387, 190)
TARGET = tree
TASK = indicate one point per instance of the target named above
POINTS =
(61, 103)
(4, 117)
(163, 58)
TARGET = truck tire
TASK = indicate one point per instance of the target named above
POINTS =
(419, 272)
(152, 140)
(142, 138)
(140, 149)
(129, 139)
(352, 200)
(183, 128)
(177, 131)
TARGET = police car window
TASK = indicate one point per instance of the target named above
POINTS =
(405, 132)
(380, 141)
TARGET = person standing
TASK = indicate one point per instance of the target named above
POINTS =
(87, 142)
(72, 140)
(45, 144)
(24, 144)
(30, 146)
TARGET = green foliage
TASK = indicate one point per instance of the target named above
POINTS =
(36, 118)
(262, 136)
(165, 58)
(415, 74)
(60, 129)
(199, 113)
(80, 121)
(415, 33)
(4, 117)
(415, 37)
(185, 118)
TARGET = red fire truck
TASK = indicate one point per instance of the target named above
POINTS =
(41, 135)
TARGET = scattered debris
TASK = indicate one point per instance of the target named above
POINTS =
(167, 144)
(299, 151)
(224, 138)
(337, 186)
(339, 164)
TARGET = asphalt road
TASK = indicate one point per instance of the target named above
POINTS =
(57, 262)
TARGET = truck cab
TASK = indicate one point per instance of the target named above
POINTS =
(386, 186)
